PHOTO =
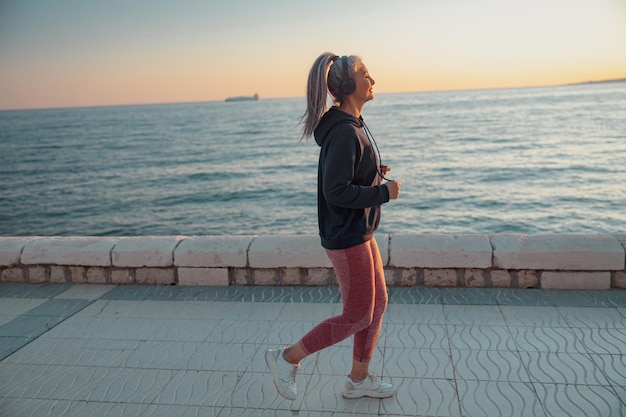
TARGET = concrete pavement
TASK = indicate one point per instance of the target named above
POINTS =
(106, 350)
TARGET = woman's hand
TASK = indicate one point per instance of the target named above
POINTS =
(394, 189)
(385, 169)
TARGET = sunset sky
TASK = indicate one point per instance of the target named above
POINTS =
(72, 53)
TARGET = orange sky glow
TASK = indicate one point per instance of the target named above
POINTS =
(90, 53)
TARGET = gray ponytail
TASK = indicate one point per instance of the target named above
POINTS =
(323, 79)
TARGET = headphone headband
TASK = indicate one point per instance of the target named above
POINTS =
(347, 86)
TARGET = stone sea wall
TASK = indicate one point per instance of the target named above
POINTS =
(555, 261)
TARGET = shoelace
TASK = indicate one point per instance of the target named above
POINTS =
(292, 374)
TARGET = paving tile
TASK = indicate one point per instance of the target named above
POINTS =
(490, 398)
(562, 368)
(13, 307)
(417, 363)
(105, 409)
(11, 344)
(480, 337)
(27, 407)
(417, 336)
(495, 365)
(232, 331)
(337, 360)
(547, 339)
(182, 330)
(323, 393)
(19, 290)
(415, 295)
(470, 296)
(85, 292)
(422, 397)
(613, 367)
(580, 400)
(522, 297)
(243, 311)
(602, 341)
(57, 308)
(74, 352)
(29, 326)
(580, 298)
(200, 388)
(593, 317)
(282, 333)
(541, 316)
(127, 385)
(415, 313)
(181, 411)
(257, 390)
(484, 315)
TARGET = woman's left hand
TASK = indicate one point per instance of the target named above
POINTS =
(385, 169)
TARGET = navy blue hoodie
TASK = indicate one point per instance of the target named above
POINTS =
(349, 192)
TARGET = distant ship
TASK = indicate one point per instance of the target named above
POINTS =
(243, 98)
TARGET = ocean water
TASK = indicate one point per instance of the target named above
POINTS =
(533, 160)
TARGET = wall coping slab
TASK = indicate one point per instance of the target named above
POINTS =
(213, 251)
(290, 251)
(298, 251)
(440, 251)
(69, 250)
(11, 249)
(138, 252)
(583, 252)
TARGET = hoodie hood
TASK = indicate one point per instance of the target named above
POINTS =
(329, 120)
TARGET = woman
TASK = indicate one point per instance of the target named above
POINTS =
(350, 194)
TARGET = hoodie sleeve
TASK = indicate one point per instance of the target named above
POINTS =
(342, 156)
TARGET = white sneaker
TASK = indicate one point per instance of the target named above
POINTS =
(368, 387)
(284, 373)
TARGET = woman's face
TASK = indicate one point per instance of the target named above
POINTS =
(364, 84)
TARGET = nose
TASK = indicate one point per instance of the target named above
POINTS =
(372, 81)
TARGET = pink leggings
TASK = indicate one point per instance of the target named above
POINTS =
(360, 273)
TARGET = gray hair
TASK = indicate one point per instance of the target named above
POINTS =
(325, 77)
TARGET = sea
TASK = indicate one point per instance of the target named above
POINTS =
(524, 160)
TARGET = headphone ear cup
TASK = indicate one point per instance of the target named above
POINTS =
(348, 86)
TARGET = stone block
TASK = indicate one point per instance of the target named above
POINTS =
(291, 276)
(266, 276)
(122, 276)
(527, 279)
(213, 251)
(440, 278)
(11, 249)
(242, 276)
(440, 251)
(291, 251)
(71, 250)
(13, 274)
(158, 276)
(620, 279)
(576, 280)
(139, 252)
(474, 277)
(77, 274)
(96, 275)
(57, 275)
(203, 276)
(408, 277)
(586, 252)
(37, 274)
(501, 279)
(320, 276)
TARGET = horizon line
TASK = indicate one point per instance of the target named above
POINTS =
(616, 80)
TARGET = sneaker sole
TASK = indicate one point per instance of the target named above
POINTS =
(360, 394)
(271, 363)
